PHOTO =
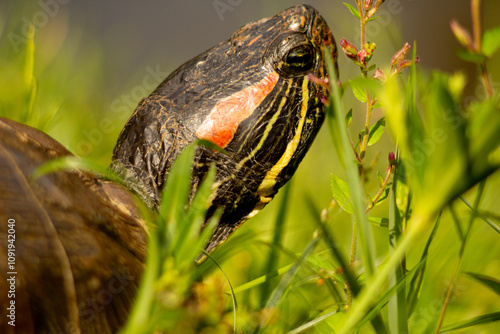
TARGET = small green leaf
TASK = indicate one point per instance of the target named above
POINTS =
(353, 10)
(361, 87)
(371, 68)
(376, 131)
(382, 197)
(341, 193)
(373, 18)
(379, 221)
(358, 90)
(471, 57)
(348, 118)
(380, 178)
(482, 319)
(489, 282)
(491, 41)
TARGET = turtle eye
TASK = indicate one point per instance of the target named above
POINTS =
(300, 58)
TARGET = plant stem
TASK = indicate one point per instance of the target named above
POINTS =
(354, 244)
(476, 23)
(382, 187)
(362, 21)
(364, 142)
(366, 134)
(476, 31)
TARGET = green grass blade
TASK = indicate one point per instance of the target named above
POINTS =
(262, 279)
(233, 294)
(278, 233)
(279, 291)
(491, 283)
(175, 197)
(397, 308)
(143, 304)
(388, 294)
(486, 220)
(479, 320)
(334, 250)
(458, 265)
(229, 248)
(312, 323)
(189, 241)
(418, 277)
(30, 85)
(456, 223)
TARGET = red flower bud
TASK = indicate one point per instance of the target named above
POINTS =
(400, 55)
(407, 63)
(368, 4)
(350, 50)
(392, 159)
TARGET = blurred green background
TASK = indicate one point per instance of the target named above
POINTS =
(94, 61)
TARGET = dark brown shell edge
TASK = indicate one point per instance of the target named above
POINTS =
(78, 261)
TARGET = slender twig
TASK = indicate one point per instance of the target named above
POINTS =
(476, 32)
(354, 244)
(362, 21)
(390, 170)
(366, 134)
(364, 141)
(476, 23)
(356, 155)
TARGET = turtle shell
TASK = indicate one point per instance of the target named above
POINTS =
(79, 242)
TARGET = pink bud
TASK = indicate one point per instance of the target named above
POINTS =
(350, 50)
(407, 63)
(400, 55)
(392, 159)
(379, 75)
(462, 35)
(368, 4)
(362, 56)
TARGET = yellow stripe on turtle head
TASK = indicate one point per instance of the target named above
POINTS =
(266, 187)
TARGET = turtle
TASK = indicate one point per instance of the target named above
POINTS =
(80, 242)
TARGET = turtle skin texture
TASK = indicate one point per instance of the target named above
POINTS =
(80, 243)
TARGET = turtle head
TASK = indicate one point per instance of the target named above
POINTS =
(250, 95)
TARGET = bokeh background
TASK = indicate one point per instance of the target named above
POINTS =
(94, 61)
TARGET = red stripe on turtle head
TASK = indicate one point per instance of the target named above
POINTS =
(223, 120)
